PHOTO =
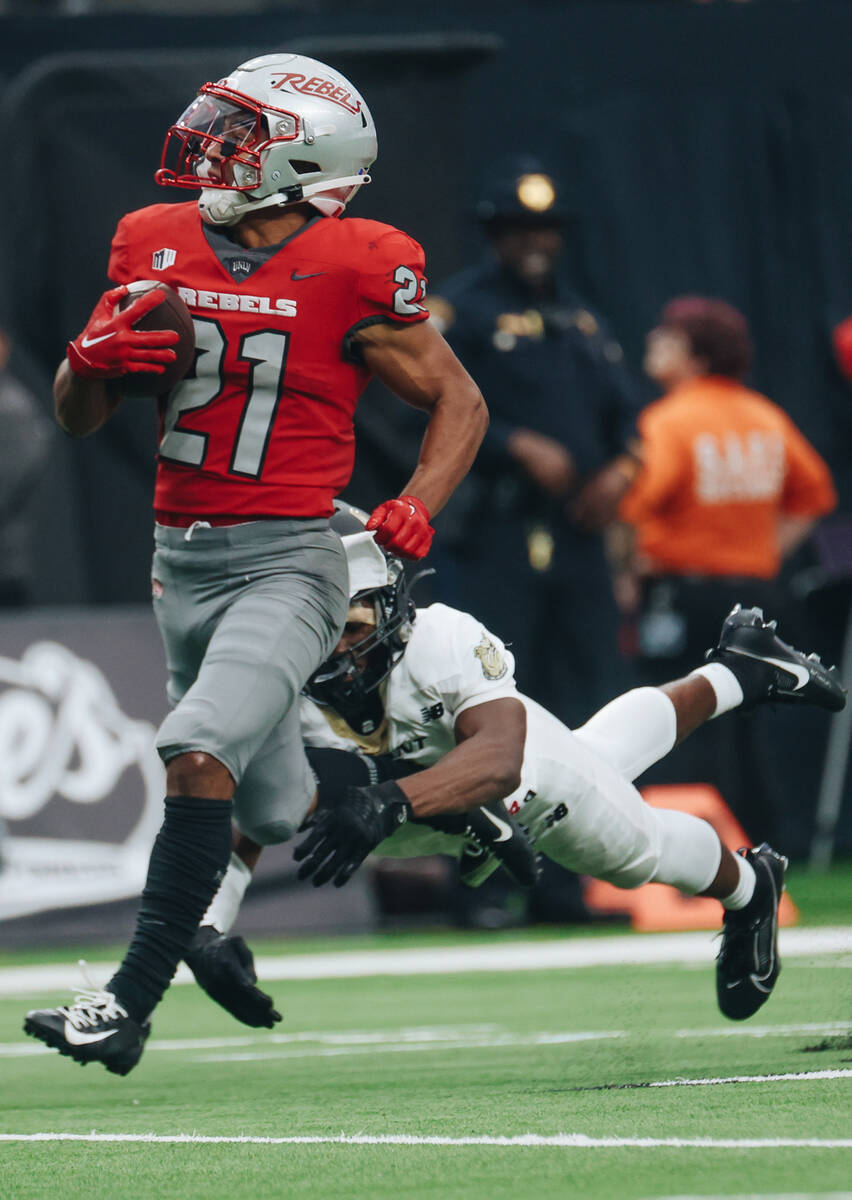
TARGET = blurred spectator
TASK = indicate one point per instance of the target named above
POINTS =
(522, 544)
(25, 435)
(728, 489)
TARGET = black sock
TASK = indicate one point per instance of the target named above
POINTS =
(188, 861)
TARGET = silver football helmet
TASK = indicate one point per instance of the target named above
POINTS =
(279, 130)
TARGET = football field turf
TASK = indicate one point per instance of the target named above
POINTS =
(589, 1081)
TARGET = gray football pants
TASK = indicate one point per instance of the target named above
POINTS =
(247, 613)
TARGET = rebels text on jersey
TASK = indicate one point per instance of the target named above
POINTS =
(263, 425)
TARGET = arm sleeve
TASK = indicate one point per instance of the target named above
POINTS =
(665, 467)
(808, 486)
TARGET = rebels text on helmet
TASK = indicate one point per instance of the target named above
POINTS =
(315, 85)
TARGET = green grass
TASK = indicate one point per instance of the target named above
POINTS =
(822, 899)
(494, 1078)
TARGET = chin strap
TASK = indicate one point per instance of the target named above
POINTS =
(222, 207)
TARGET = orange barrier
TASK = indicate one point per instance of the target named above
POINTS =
(657, 908)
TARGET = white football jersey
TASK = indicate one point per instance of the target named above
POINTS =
(578, 803)
(451, 663)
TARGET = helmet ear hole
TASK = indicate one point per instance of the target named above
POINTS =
(302, 167)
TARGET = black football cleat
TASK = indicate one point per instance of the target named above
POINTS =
(224, 968)
(495, 832)
(748, 965)
(95, 1028)
(790, 677)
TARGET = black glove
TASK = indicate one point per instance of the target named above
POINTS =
(224, 968)
(339, 839)
(495, 839)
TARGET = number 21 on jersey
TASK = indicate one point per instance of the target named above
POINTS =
(266, 353)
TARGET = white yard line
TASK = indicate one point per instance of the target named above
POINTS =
(578, 1141)
(759, 1196)
(789, 1076)
(323, 1043)
(566, 953)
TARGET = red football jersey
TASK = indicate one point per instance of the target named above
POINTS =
(264, 425)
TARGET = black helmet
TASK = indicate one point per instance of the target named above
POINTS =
(341, 682)
(521, 190)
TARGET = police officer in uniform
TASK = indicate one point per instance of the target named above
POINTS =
(525, 541)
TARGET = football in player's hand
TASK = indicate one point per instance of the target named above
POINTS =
(171, 314)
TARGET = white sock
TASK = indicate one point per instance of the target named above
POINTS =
(744, 890)
(725, 685)
(226, 903)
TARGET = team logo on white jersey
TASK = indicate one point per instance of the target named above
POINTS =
(491, 659)
(161, 259)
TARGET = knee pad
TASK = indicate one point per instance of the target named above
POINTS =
(690, 852)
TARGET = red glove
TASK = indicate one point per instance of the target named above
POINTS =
(842, 339)
(402, 527)
(109, 346)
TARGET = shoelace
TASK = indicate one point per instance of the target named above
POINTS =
(91, 1004)
(92, 1008)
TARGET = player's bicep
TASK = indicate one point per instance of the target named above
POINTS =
(503, 721)
(414, 361)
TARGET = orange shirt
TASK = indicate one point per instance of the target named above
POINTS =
(721, 464)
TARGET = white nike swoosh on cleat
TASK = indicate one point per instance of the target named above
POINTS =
(77, 1038)
(87, 342)
(504, 828)
(801, 674)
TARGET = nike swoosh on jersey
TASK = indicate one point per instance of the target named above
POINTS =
(77, 1038)
(86, 342)
(296, 277)
(504, 829)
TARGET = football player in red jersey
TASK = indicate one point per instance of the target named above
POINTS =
(294, 311)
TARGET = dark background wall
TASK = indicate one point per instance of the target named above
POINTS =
(707, 148)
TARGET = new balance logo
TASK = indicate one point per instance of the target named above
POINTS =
(161, 259)
(432, 713)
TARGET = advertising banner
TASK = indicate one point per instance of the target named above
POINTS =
(82, 786)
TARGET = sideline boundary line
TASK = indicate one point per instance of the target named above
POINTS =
(567, 953)
(579, 1141)
(327, 1043)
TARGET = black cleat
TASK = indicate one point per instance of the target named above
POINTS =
(493, 838)
(224, 968)
(790, 676)
(476, 864)
(748, 965)
(95, 1028)
(497, 835)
